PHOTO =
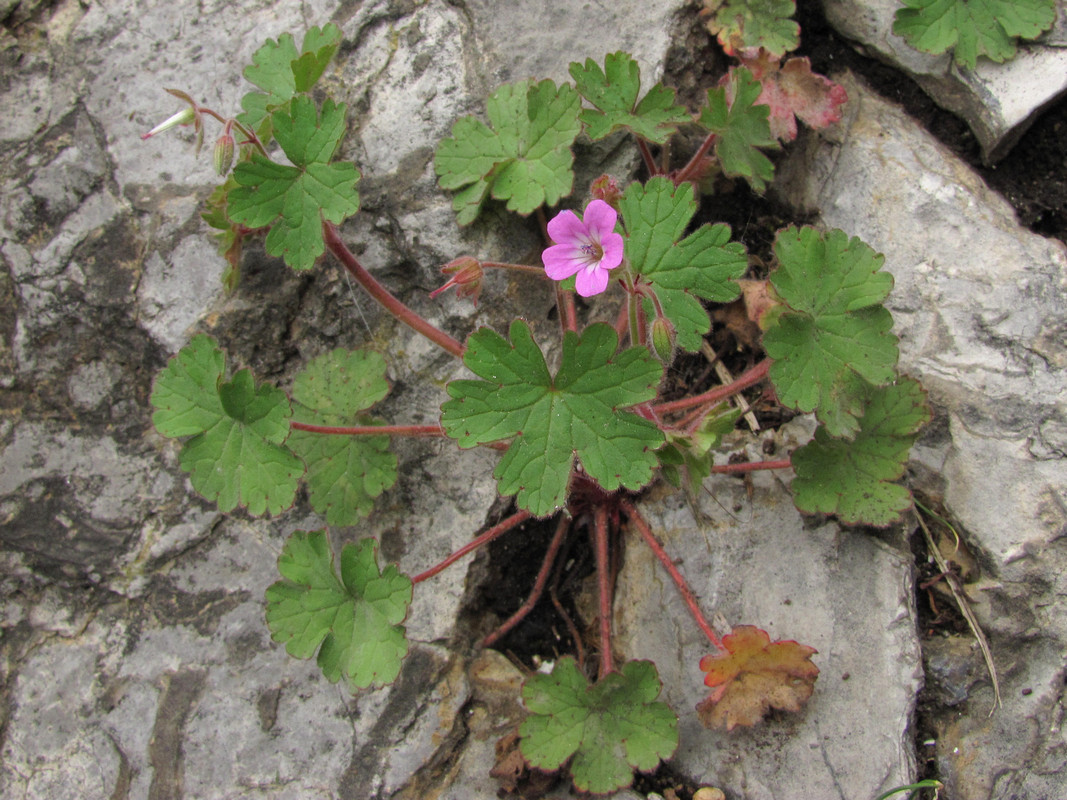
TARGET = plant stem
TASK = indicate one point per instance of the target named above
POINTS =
(527, 268)
(384, 296)
(719, 393)
(370, 430)
(568, 314)
(633, 309)
(497, 530)
(751, 466)
(603, 579)
(539, 584)
(679, 581)
(646, 155)
(685, 173)
(622, 321)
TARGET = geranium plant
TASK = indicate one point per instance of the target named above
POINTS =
(582, 438)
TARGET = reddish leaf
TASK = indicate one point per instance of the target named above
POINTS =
(792, 90)
(753, 676)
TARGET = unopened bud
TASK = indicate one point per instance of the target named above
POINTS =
(223, 155)
(186, 116)
(466, 275)
(606, 188)
(663, 338)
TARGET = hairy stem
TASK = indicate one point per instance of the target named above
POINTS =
(568, 314)
(686, 172)
(527, 268)
(719, 393)
(676, 576)
(603, 579)
(539, 584)
(622, 320)
(497, 530)
(646, 155)
(384, 296)
(752, 466)
(369, 430)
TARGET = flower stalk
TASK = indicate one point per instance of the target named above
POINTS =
(384, 297)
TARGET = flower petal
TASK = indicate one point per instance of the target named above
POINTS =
(599, 219)
(562, 260)
(591, 281)
(613, 246)
(566, 228)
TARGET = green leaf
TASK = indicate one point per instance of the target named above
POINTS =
(611, 728)
(230, 236)
(344, 473)
(751, 24)
(973, 27)
(294, 200)
(355, 618)
(280, 71)
(853, 479)
(681, 270)
(614, 91)
(525, 158)
(235, 456)
(742, 127)
(579, 412)
(835, 334)
(694, 451)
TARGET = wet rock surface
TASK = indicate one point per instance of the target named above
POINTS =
(134, 659)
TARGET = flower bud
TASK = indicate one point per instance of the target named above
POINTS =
(663, 339)
(186, 116)
(223, 155)
(466, 275)
(606, 188)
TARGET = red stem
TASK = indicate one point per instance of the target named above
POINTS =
(603, 579)
(685, 173)
(384, 297)
(719, 393)
(679, 581)
(527, 268)
(569, 312)
(622, 321)
(370, 430)
(497, 530)
(752, 466)
(646, 155)
(539, 584)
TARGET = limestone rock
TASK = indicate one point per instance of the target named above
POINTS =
(978, 306)
(756, 561)
(998, 101)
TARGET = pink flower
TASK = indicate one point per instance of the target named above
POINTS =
(585, 248)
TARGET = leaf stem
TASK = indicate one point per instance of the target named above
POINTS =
(369, 430)
(539, 584)
(676, 576)
(719, 393)
(751, 466)
(686, 172)
(384, 296)
(646, 155)
(497, 530)
(603, 579)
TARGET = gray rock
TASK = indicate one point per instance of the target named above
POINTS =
(998, 101)
(978, 306)
(756, 561)
(174, 688)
